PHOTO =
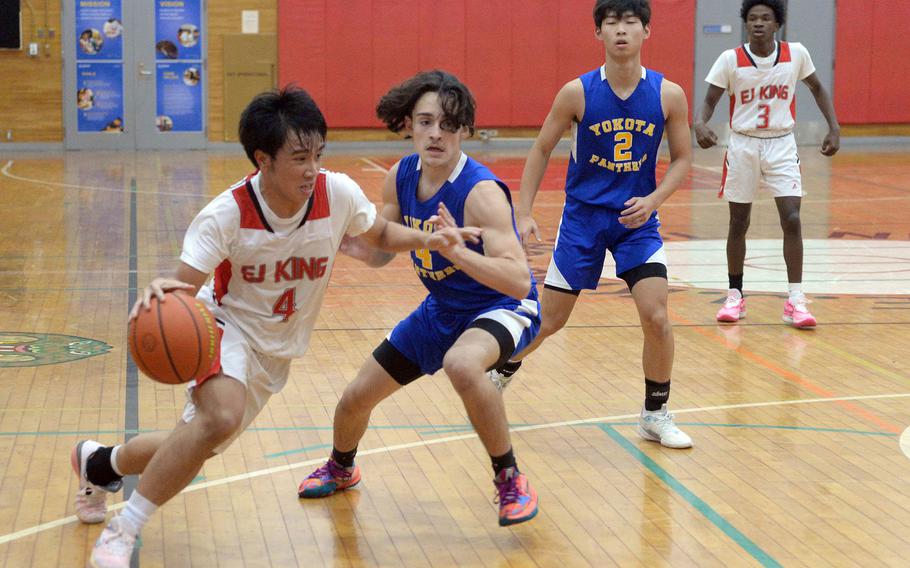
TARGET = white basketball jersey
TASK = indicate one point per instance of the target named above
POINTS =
(762, 89)
(271, 283)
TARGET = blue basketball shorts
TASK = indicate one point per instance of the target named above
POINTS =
(586, 233)
(424, 337)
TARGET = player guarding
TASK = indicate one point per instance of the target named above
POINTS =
(482, 303)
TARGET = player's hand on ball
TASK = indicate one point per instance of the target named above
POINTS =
(157, 288)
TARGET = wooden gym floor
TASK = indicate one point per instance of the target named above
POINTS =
(797, 462)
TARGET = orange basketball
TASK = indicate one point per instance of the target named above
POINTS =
(175, 341)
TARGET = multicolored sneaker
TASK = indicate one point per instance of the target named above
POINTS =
(114, 547)
(658, 426)
(91, 500)
(501, 381)
(328, 479)
(517, 499)
(797, 314)
(733, 310)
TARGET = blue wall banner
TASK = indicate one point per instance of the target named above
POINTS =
(179, 107)
(99, 29)
(99, 96)
(178, 29)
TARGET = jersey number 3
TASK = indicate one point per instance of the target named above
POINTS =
(286, 304)
(763, 111)
(622, 141)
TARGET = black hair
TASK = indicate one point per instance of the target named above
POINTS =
(273, 116)
(603, 8)
(457, 103)
(777, 6)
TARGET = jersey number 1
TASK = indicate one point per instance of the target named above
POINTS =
(286, 304)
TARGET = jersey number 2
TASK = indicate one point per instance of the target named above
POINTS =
(286, 304)
(763, 111)
(622, 141)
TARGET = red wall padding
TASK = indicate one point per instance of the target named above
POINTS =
(513, 55)
(870, 62)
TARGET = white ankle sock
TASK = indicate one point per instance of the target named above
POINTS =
(136, 513)
(796, 290)
(114, 460)
(733, 292)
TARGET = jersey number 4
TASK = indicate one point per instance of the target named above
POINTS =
(286, 304)
(426, 258)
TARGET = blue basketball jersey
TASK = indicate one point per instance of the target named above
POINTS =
(614, 153)
(448, 285)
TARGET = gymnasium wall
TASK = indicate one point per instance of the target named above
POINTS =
(31, 96)
(871, 63)
(32, 87)
(513, 55)
(224, 18)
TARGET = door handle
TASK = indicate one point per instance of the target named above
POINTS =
(142, 70)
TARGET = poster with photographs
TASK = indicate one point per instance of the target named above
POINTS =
(99, 97)
(178, 25)
(179, 96)
(99, 29)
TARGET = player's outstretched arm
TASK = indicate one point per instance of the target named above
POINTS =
(187, 278)
(568, 107)
(387, 236)
(703, 133)
(831, 143)
(639, 209)
(363, 247)
(503, 266)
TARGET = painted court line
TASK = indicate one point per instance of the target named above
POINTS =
(386, 449)
(5, 171)
(706, 510)
(374, 166)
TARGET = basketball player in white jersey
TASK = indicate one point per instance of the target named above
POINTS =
(271, 241)
(760, 77)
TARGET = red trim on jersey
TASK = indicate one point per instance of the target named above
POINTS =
(250, 217)
(222, 279)
(732, 108)
(784, 56)
(742, 58)
(320, 209)
(793, 107)
(723, 179)
(216, 361)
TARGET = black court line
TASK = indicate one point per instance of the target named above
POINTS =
(131, 404)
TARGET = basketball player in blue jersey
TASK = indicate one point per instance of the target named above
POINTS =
(618, 114)
(482, 305)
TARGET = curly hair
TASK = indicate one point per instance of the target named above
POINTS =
(457, 103)
(778, 6)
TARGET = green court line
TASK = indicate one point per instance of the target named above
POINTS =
(427, 430)
(298, 450)
(709, 513)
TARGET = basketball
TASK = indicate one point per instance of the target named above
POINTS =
(175, 341)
